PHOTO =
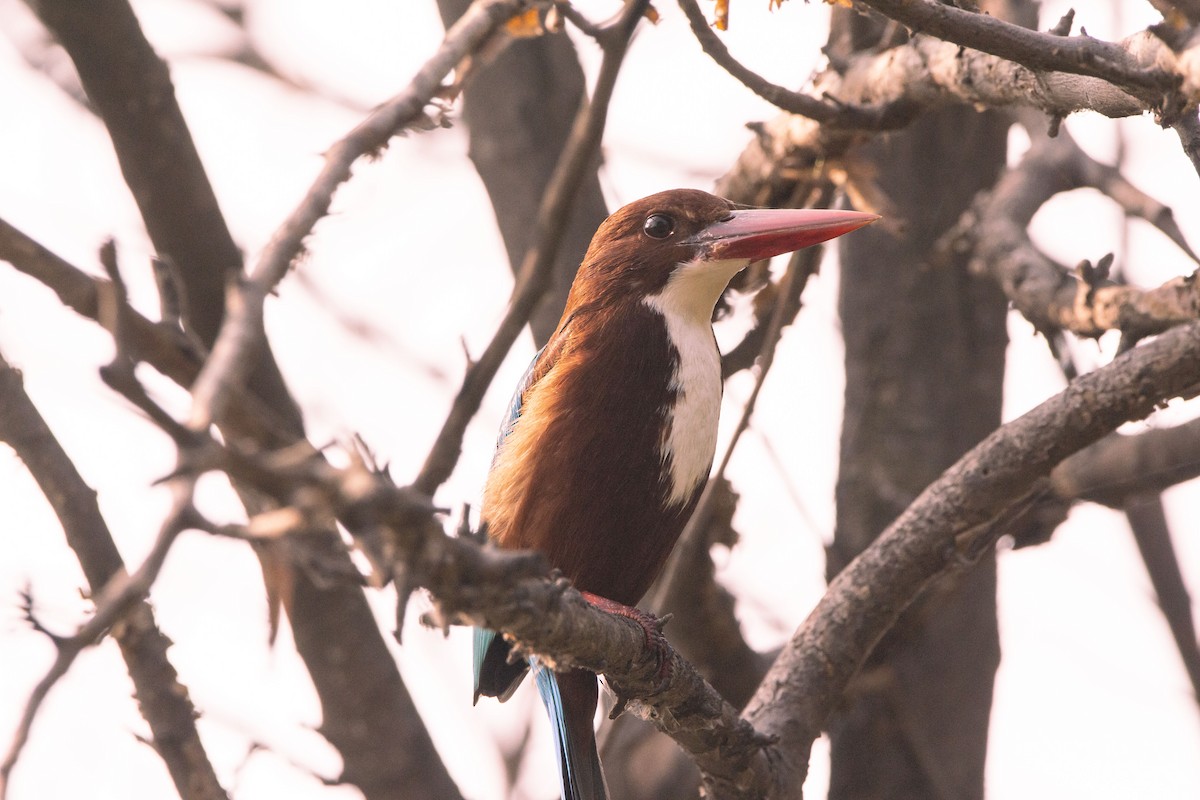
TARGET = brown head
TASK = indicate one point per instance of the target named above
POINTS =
(638, 249)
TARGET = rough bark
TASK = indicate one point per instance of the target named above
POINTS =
(924, 368)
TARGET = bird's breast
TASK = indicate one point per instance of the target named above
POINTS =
(689, 435)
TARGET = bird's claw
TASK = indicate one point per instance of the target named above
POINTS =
(652, 630)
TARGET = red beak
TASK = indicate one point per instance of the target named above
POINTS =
(761, 233)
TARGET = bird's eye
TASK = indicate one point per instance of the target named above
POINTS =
(658, 226)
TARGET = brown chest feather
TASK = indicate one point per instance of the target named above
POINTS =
(581, 475)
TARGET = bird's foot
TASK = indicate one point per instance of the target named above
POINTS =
(651, 628)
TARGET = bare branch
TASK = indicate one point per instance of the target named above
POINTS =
(1188, 130)
(927, 73)
(153, 145)
(996, 230)
(519, 108)
(164, 346)
(1148, 522)
(242, 332)
(1118, 468)
(1135, 66)
(113, 603)
(163, 701)
(886, 116)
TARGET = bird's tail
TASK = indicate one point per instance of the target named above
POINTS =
(570, 700)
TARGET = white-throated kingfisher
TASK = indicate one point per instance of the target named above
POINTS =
(613, 428)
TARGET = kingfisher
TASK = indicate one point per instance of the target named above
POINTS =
(611, 432)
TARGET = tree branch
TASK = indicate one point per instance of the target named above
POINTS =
(996, 230)
(519, 108)
(242, 333)
(885, 116)
(117, 599)
(1136, 65)
(1118, 468)
(806, 682)
(163, 701)
(1148, 523)
(927, 73)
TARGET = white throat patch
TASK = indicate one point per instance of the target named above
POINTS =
(686, 305)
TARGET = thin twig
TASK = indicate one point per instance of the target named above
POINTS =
(111, 605)
(888, 116)
(534, 275)
(242, 330)
(163, 701)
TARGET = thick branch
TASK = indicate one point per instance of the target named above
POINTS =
(1140, 68)
(1119, 468)
(997, 229)
(806, 682)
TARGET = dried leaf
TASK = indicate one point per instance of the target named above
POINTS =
(526, 25)
(279, 579)
(722, 11)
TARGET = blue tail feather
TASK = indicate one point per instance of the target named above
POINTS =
(570, 700)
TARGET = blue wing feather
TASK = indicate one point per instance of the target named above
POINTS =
(518, 399)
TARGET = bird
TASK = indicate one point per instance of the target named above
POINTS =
(611, 432)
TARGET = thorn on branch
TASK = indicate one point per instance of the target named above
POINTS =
(1064, 24)
(172, 293)
(1094, 276)
(572, 15)
(26, 606)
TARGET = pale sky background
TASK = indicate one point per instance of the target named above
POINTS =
(1091, 700)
